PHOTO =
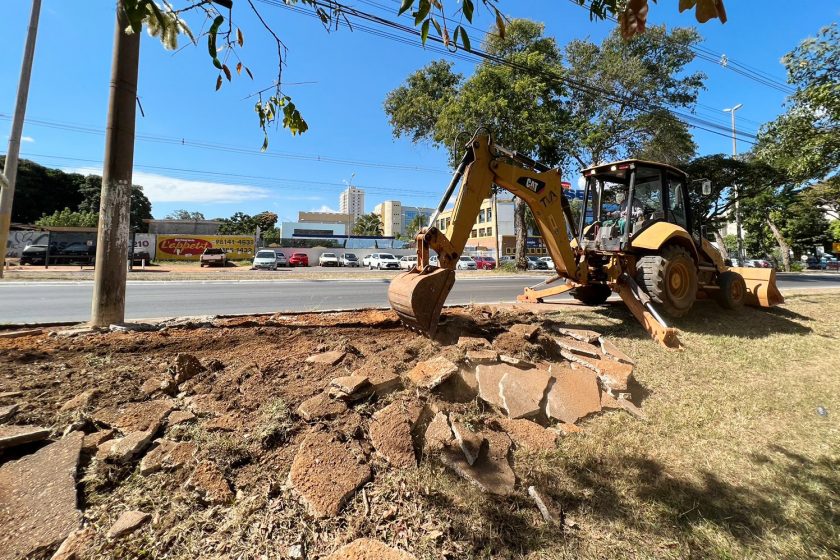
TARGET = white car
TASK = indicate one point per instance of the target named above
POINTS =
(281, 259)
(434, 261)
(265, 258)
(382, 261)
(328, 259)
(549, 261)
(408, 261)
(465, 263)
(348, 259)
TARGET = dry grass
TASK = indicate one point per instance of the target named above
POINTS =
(734, 462)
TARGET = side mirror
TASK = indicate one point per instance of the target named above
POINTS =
(707, 187)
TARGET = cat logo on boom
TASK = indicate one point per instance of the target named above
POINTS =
(531, 184)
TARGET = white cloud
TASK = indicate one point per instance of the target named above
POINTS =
(325, 208)
(27, 139)
(160, 188)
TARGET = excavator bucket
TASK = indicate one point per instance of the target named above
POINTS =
(761, 286)
(418, 296)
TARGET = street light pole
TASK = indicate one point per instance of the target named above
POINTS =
(738, 231)
(9, 176)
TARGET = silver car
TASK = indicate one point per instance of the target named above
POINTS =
(465, 263)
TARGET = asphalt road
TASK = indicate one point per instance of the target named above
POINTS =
(52, 302)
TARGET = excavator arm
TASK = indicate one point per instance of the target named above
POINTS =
(418, 295)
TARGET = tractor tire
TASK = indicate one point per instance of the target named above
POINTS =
(592, 294)
(732, 291)
(670, 279)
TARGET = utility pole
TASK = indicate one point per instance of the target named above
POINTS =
(108, 305)
(738, 232)
(7, 182)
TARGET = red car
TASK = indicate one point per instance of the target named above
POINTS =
(485, 263)
(299, 259)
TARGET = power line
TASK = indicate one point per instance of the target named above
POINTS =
(689, 119)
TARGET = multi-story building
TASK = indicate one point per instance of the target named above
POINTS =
(492, 232)
(396, 217)
(352, 201)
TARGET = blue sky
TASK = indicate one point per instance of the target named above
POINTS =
(199, 149)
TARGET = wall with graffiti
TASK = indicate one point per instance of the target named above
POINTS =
(18, 240)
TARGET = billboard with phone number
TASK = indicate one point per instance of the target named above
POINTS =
(190, 247)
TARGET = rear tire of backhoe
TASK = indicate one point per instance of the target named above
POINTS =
(732, 291)
(592, 294)
(670, 279)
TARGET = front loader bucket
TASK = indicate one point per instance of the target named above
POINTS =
(761, 286)
(418, 296)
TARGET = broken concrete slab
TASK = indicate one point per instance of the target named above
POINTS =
(514, 361)
(369, 549)
(590, 337)
(205, 404)
(82, 400)
(384, 382)
(76, 545)
(615, 375)
(91, 442)
(492, 472)
(482, 356)
(632, 409)
(461, 387)
(525, 330)
(321, 406)
(391, 430)
(609, 349)
(177, 417)
(224, 423)
(137, 416)
(6, 412)
(325, 473)
(20, 333)
(527, 434)
(470, 442)
(609, 401)
(187, 366)
(431, 373)
(488, 377)
(578, 347)
(438, 434)
(574, 394)
(12, 436)
(548, 516)
(472, 343)
(210, 484)
(327, 358)
(38, 499)
(522, 392)
(124, 449)
(350, 388)
(127, 522)
(167, 455)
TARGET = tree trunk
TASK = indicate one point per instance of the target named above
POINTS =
(521, 233)
(722, 246)
(783, 245)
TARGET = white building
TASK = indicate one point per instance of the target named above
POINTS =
(311, 230)
(352, 201)
(396, 216)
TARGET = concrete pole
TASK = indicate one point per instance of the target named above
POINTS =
(738, 230)
(7, 182)
(108, 305)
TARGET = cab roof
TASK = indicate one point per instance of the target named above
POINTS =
(617, 170)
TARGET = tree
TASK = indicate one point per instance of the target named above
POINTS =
(834, 230)
(805, 140)
(69, 218)
(265, 220)
(368, 224)
(238, 224)
(416, 224)
(184, 215)
(525, 103)
(140, 209)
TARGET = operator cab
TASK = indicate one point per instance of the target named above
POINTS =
(623, 199)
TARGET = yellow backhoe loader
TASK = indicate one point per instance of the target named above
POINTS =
(635, 236)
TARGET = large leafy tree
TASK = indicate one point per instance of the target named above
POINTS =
(527, 103)
(805, 140)
(69, 218)
(182, 214)
(368, 224)
(245, 224)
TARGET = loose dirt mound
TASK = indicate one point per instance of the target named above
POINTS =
(291, 417)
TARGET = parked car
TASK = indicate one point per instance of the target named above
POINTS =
(328, 259)
(73, 253)
(813, 263)
(536, 264)
(506, 259)
(33, 254)
(265, 259)
(434, 261)
(299, 259)
(348, 259)
(408, 261)
(213, 256)
(485, 263)
(140, 257)
(833, 264)
(548, 261)
(465, 263)
(281, 259)
(383, 261)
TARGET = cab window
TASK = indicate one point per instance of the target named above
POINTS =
(676, 201)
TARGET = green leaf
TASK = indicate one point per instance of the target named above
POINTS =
(465, 39)
(211, 35)
(406, 5)
(468, 7)
(217, 63)
(437, 27)
(424, 31)
(422, 11)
